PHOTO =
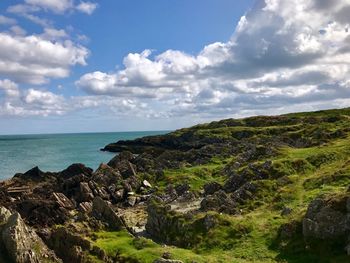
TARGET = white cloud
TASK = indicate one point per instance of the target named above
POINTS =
(87, 7)
(7, 21)
(27, 11)
(282, 55)
(9, 88)
(56, 6)
(17, 30)
(54, 34)
(33, 59)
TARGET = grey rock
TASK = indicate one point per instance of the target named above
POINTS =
(21, 242)
(326, 220)
(101, 210)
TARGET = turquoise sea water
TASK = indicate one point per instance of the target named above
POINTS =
(55, 152)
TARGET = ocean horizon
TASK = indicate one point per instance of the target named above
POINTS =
(55, 152)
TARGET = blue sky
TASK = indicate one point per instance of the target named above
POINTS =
(86, 66)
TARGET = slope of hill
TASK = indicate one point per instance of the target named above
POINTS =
(260, 189)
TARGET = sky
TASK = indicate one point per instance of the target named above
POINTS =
(122, 65)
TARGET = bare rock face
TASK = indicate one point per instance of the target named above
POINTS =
(106, 175)
(69, 246)
(327, 219)
(101, 210)
(20, 243)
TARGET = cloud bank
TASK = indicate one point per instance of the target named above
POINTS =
(282, 56)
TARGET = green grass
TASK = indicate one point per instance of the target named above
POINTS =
(196, 176)
(142, 250)
(253, 236)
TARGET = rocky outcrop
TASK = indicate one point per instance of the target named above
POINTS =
(328, 219)
(69, 245)
(164, 224)
(104, 212)
(20, 243)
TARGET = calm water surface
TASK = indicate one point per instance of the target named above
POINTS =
(55, 152)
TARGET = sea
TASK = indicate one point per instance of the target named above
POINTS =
(55, 152)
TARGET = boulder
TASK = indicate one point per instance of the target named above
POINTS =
(42, 212)
(106, 175)
(101, 210)
(131, 200)
(4, 215)
(327, 219)
(75, 169)
(85, 207)
(211, 188)
(146, 184)
(69, 245)
(63, 201)
(100, 191)
(86, 194)
(122, 163)
(219, 202)
(21, 243)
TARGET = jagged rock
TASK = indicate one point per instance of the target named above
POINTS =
(106, 175)
(86, 194)
(118, 195)
(42, 212)
(34, 174)
(181, 189)
(71, 185)
(122, 163)
(170, 193)
(85, 207)
(220, 202)
(244, 193)
(234, 182)
(100, 191)
(21, 243)
(146, 184)
(211, 188)
(134, 183)
(63, 201)
(131, 201)
(75, 169)
(104, 212)
(69, 245)
(4, 215)
(327, 219)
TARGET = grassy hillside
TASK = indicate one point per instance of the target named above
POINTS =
(259, 189)
(309, 156)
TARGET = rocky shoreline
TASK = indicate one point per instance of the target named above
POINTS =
(184, 190)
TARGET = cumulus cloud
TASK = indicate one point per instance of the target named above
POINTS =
(18, 102)
(57, 6)
(34, 59)
(4, 20)
(86, 7)
(27, 11)
(282, 55)
(30, 7)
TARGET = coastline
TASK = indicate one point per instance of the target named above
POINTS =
(234, 182)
